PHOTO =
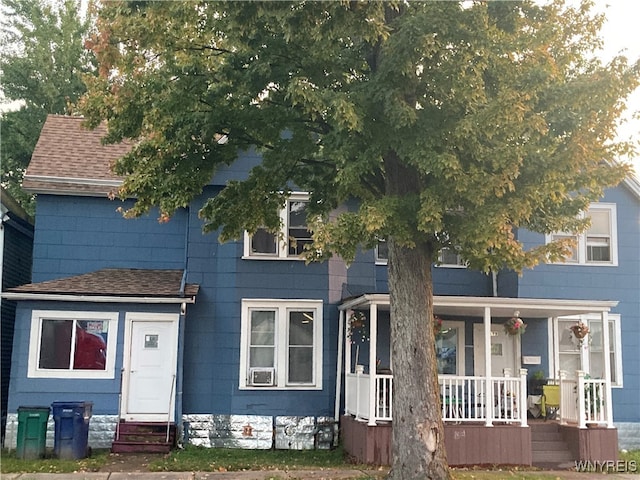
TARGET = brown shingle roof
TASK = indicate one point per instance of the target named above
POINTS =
(124, 282)
(69, 158)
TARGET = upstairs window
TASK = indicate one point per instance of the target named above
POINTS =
(598, 245)
(449, 257)
(292, 238)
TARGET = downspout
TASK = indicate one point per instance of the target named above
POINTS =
(181, 325)
(494, 283)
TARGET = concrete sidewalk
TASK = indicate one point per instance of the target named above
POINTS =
(315, 474)
(300, 474)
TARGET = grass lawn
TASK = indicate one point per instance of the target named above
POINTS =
(213, 460)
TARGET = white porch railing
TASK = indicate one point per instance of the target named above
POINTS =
(583, 401)
(462, 398)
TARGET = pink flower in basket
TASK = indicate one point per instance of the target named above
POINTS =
(515, 325)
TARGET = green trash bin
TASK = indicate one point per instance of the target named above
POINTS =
(32, 432)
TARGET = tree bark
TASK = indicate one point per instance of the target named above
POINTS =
(418, 430)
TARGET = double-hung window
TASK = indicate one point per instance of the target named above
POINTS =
(281, 344)
(598, 245)
(292, 238)
(72, 344)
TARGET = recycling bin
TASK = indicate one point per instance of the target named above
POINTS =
(32, 432)
(71, 429)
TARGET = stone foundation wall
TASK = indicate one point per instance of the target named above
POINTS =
(101, 431)
(260, 432)
(628, 435)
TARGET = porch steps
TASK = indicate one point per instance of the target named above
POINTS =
(143, 437)
(548, 448)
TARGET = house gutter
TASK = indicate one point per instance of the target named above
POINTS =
(54, 297)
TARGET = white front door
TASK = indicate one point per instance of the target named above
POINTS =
(504, 351)
(149, 375)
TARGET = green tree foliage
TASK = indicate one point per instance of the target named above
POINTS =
(42, 60)
(452, 125)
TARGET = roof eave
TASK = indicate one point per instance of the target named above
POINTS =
(57, 297)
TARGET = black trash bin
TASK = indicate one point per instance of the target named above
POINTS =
(71, 440)
(32, 432)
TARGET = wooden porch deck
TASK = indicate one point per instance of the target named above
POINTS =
(476, 444)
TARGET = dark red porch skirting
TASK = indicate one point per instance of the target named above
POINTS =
(597, 444)
(475, 444)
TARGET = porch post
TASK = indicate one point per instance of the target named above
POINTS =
(347, 362)
(336, 410)
(488, 384)
(523, 397)
(608, 407)
(373, 370)
(563, 398)
(581, 407)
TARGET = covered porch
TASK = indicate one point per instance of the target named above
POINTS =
(483, 397)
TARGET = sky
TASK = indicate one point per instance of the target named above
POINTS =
(621, 34)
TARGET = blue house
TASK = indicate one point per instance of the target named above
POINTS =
(162, 327)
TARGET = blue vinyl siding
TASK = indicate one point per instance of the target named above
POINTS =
(76, 235)
(212, 331)
(621, 283)
(42, 391)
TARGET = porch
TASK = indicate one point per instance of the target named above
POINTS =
(489, 414)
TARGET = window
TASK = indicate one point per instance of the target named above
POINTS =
(572, 359)
(382, 252)
(281, 344)
(598, 245)
(446, 258)
(294, 232)
(449, 257)
(72, 344)
(450, 348)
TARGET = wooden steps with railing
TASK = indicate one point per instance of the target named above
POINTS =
(144, 437)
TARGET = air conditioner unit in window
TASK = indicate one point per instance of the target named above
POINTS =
(262, 377)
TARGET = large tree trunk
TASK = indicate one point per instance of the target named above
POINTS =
(418, 431)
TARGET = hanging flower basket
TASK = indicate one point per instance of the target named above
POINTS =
(357, 327)
(580, 330)
(515, 326)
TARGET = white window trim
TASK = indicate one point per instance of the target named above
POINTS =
(379, 260)
(283, 244)
(460, 353)
(282, 307)
(34, 344)
(616, 364)
(582, 240)
(438, 264)
(441, 264)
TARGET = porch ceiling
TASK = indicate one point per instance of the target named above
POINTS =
(499, 306)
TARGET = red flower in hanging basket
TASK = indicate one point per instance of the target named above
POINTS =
(515, 326)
